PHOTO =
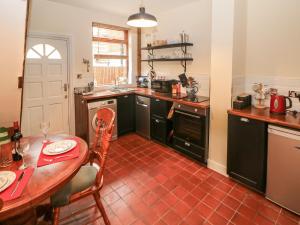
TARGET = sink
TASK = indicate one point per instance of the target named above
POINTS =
(121, 90)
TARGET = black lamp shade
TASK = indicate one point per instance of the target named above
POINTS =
(142, 19)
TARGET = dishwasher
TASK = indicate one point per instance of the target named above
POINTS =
(142, 112)
(283, 171)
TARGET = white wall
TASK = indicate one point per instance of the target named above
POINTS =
(12, 23)
(222, 46)
(62, 19)
(194, 19)
(273, 38)
(272, 51)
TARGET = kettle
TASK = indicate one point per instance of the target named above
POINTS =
(278, 104)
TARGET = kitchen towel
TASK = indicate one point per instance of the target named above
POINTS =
(6, 194)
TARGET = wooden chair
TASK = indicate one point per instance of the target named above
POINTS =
(89, 180)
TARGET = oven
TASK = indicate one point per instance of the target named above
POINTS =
(191, 131)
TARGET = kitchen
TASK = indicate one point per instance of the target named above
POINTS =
(202, 103)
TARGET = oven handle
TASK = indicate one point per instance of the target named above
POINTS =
(187, 114)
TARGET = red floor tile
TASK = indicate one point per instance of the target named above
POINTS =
(146, 183)
(171, 217)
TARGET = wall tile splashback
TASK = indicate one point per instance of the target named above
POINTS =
(283, 84)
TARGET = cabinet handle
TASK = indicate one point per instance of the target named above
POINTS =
(82, 101)
(157, 100)
(157, 121)
(187, 144)
(245, 120)
(125, 96)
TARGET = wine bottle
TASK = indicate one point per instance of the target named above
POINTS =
(15, 138)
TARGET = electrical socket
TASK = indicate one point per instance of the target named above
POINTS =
(294, 94)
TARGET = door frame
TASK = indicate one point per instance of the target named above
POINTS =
(68, 39)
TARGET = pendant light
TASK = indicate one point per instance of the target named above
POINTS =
(142, 19)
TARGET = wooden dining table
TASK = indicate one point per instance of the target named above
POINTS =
(45, 180)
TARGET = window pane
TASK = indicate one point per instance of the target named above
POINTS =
(55, 55)
(32, 55)
(107, 33)
(48, 49)
(109, 48)
(39, 49)
(108, 71)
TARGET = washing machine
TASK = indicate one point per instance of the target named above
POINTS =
(93, 108)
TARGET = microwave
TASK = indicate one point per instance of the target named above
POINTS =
(162, 86)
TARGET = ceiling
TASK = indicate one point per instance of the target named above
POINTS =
(126, 7)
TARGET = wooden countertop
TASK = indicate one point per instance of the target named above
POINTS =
(148, 93)
(288, 120)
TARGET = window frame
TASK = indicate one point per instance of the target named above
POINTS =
(112, 41)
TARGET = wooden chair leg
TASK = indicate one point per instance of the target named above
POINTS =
(56, 216)
(101, 208)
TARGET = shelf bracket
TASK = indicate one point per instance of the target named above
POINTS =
(150, 63)
(183, 64)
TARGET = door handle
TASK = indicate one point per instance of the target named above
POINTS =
(246, 120)
(125, 96)
(143, 105)
(187, 144)
(65, 87)
(157, 100)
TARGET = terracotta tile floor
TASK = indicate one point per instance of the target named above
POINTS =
(146, 183)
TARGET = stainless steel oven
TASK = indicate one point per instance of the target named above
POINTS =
(191, 131)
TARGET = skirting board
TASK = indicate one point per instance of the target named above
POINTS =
(219, 168)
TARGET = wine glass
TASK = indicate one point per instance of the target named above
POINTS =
(22, 150)
(45, 128)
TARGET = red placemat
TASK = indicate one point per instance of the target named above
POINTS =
(50, 159)
(7, 193)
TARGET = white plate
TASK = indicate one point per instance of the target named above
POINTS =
(59, 147)
(11, 176)
(3, 181)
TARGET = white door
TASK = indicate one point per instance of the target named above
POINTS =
(45, 96)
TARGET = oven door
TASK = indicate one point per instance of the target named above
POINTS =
(189, 127)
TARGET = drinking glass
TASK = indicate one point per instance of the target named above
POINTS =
(22, 150)
(45, 128)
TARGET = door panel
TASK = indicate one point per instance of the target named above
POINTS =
(46, 73)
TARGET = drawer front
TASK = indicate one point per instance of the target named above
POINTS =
(159, 129)
(160, 108)
(194, 151)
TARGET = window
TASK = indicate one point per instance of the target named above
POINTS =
(43, 50)
(110, 54)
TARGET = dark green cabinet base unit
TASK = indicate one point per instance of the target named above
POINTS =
(160, 125)
(247, 151)
(126, 114)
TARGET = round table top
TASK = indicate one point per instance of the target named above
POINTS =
(46, 179)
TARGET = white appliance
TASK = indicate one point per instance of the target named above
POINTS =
(283, 173)
(93, 108)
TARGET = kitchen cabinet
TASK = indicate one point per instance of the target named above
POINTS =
(160, 125)
(81, 117)
(126, 114)
(247, 151)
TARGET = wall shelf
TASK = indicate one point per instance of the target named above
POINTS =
(167, 59)
(175, 45)
(183, 47)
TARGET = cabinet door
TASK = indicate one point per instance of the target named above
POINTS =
(126, 114)
(247, 147)
(160, 108)
(159, 129)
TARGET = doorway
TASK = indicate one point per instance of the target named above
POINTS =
(46, 85)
